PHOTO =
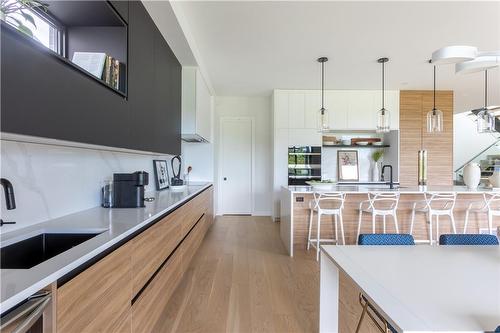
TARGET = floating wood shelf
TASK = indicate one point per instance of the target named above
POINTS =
(356, 146)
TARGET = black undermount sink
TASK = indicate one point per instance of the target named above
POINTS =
(35, 250)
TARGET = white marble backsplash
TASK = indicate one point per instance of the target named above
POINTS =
(52, 181)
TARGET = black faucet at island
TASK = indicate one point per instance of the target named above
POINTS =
(391, 183)
(10, 199)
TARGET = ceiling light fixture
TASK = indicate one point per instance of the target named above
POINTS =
(485, 118)
(477, 65)
(468, 59)
(383, 115)
(435, 116)
(323, 124)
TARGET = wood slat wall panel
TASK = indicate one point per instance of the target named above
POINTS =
(414, 105)
(350, 215)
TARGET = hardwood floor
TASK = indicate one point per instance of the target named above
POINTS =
(241, 280)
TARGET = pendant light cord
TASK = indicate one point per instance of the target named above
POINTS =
(434, 107)
(323, 88)
(485, 89)
(383, 86)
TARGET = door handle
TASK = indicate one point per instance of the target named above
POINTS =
(225, 178)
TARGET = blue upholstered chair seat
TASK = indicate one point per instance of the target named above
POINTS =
(468, 239)
(386, 239)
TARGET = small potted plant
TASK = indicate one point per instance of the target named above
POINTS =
(377, 157)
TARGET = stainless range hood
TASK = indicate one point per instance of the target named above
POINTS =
(193, 138)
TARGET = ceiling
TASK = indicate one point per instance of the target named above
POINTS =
(250, 48)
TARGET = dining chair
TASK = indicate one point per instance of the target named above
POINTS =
(468, 239)
(330, 204)
(386, 239)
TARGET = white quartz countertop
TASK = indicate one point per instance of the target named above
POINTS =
(427, 288)
(115, 224)
(353, 189)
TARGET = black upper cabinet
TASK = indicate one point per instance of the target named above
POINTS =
(44, 96)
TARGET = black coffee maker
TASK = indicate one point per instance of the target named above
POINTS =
(128, 189)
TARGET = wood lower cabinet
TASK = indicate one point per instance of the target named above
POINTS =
(98, 299)
(147, 310)
(127, 290)
(152, 247)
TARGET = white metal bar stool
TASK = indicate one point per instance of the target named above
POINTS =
(434, 204)
(330, 203)
(490, 206)
(379, 204)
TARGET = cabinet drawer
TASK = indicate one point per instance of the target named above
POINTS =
(147, 310)
(194, 209)
(153, 246)
(98, 299)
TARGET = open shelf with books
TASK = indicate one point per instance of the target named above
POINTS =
(89, 36)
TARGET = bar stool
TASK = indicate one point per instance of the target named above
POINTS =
(490, 206)
(435, 204)
(379, 204)
(330, 204)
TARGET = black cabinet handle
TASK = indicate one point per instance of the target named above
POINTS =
(225, 178)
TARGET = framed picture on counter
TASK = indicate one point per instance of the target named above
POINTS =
(162, 179)
(347, 165)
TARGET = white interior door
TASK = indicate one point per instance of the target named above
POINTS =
(236, 165)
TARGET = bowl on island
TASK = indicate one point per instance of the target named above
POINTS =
(362, 143)
(323, 185)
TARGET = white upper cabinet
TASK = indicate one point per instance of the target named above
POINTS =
(347, 109)
(196, 107)
(296, 110)
(337, 104)
(362, 114)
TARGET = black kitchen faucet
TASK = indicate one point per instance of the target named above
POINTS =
(391, 183)
(10, 199)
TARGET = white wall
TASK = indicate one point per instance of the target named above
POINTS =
(52, 181)
(259, 108)
(466, 141)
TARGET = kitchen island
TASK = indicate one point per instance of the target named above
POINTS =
(414, 288)
(295, 212)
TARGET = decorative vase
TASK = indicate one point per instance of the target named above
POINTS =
(472, 175)
(375, 172)
(495, 177)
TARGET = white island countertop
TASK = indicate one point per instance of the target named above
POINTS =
(426, 288)
(115, 225)
(353, 189)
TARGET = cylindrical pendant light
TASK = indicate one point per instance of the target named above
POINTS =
(383, 115)
(485, 118)
(323, 124)
(435, 116)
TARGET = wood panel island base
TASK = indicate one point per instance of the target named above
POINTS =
(127, 290)
(295, 213)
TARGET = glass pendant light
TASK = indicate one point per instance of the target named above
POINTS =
(485, 118)
(323, 124)
(383, 115)
(435, 116)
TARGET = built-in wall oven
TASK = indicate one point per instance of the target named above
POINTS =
(304, 163)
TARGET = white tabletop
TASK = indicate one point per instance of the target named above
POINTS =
(427, 288)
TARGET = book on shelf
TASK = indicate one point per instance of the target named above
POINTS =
(103, 66)
(92, 62)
